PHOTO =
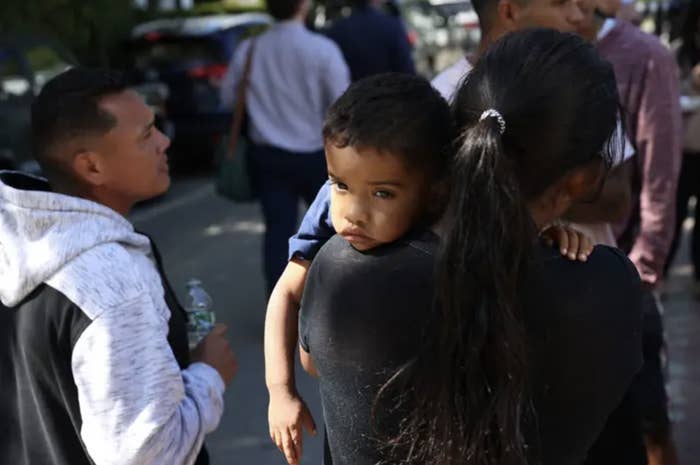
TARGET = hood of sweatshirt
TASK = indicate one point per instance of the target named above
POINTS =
(41, 232)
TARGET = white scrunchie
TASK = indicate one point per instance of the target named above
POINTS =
(493, 113)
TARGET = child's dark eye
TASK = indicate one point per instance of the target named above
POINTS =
(384, 195)
(339, 186)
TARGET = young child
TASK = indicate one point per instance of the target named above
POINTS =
(388, 142)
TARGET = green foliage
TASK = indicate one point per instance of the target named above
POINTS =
(229, 6)
(94, 30)
(91, 29)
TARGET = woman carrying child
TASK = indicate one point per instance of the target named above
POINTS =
(525, 353)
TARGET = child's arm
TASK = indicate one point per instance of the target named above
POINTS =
(315, 229)
(307, 362)
(287, 411)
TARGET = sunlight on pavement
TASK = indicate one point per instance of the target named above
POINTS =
(249, 227)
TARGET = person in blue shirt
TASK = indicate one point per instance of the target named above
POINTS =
(372, 41)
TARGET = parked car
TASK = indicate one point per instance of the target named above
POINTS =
(178, 64)
(27, 62)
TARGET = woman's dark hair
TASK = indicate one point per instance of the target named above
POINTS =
(466, 396)
(394, 113)
(689, 52)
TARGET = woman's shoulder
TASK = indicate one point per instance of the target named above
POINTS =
(413, 255)
(419, 243)
(605, 290)
(611, 265)
(604, 265)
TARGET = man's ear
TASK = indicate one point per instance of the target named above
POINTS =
(89, 167)
(508, 13)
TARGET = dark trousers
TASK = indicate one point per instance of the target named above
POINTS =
(688, 186)
(282, 179)
(644, 410)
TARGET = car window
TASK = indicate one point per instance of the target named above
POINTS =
(45, 62)
(164, 52)
(13, 82)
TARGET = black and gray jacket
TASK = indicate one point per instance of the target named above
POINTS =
(94, 367)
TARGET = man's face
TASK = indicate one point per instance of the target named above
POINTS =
(375, 198)
(609, 7)
(562, 15)
(588, 29)
(132, 154)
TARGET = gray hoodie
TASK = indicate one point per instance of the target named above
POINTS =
(136, 405)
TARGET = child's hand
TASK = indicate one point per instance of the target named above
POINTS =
(287, 414)
(572, 243)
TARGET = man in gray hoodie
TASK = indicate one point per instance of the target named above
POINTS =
(94, 363)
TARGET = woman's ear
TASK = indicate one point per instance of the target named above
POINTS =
(586, 182)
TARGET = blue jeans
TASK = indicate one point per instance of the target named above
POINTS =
(282, 178)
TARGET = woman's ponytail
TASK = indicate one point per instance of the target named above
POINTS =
(538, 105)
(472, 372)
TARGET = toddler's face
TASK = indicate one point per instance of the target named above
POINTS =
(375, 198)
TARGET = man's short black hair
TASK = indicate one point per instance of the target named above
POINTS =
(283, 10)
(395, 113)
(68, 107)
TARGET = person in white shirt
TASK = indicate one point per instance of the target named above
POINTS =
(295, 75)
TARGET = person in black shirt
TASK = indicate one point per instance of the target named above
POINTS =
(372, 41)
(525, 354)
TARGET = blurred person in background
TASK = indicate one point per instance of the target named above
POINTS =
(499, 17)
(628, 12)
(294, 77)
(372, 41)
(646, 75)
(689, 181)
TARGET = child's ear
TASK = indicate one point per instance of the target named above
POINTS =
(439, 195)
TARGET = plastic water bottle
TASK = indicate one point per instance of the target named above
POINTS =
(200, 317)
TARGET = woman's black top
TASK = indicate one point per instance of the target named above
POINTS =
(363, 315)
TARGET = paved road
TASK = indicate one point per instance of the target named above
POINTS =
(201, 235)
